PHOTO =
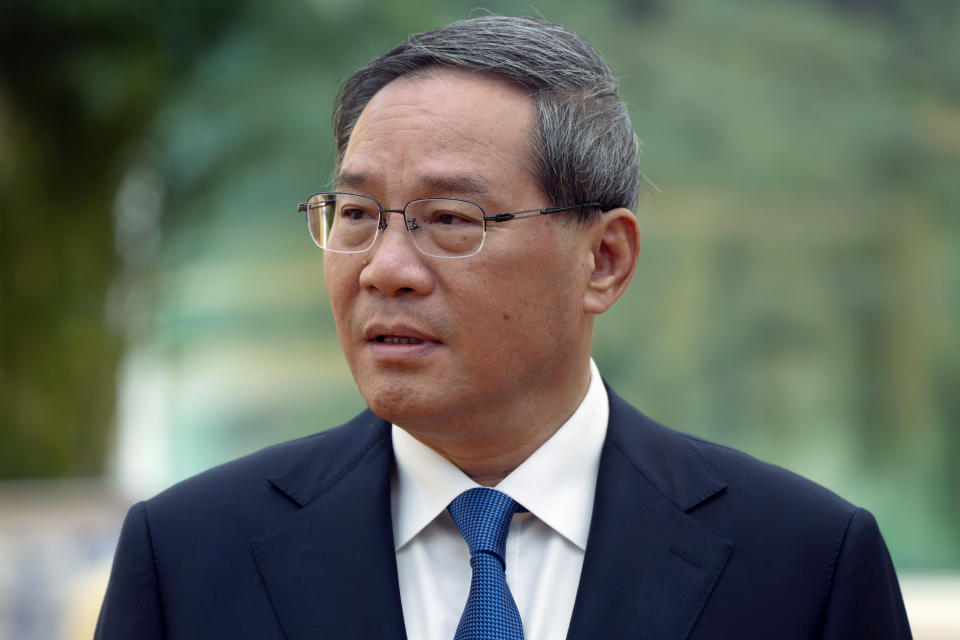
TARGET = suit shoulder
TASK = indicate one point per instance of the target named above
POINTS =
(765, 481)
(774, 516)
(244, 480)
(253, 466)
(695, 472)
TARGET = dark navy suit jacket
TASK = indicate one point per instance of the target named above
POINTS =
(688, 540)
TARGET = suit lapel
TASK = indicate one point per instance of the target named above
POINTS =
(649, 566)
(330, 568)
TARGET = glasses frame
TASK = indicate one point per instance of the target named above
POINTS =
(411, 225)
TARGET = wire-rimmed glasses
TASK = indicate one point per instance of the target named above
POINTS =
(344, 222)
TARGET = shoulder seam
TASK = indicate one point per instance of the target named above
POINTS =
(156, 565)
(832, 570)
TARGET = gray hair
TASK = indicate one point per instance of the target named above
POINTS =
(584, 146)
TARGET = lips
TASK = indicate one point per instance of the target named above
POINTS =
(396, 334)
(398, 340)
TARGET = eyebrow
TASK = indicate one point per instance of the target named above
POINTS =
(350, 180)
(465, 184)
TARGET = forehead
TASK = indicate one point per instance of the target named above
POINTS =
(442, 131)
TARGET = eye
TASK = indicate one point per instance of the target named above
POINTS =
(357, 212)
(353, 213)
(448, 218)
(446, 215)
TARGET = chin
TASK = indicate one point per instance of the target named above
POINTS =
(398, 405)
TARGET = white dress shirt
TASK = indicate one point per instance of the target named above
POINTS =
(545, 547)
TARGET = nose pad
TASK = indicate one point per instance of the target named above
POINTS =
(409, 226)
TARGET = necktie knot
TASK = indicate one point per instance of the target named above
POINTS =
(483, 517)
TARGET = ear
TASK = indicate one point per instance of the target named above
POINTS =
(615, 248)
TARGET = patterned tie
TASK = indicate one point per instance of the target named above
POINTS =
(483, 517)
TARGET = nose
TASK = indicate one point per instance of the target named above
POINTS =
(394, 266)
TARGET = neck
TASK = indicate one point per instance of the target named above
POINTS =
(488, 450)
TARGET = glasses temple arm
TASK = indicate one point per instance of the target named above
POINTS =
(532, 213)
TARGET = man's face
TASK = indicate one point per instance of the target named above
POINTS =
(454, 347)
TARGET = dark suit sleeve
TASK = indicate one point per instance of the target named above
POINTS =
(864, 598)
(132, 608)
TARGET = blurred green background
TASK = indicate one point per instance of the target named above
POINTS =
(798, 294)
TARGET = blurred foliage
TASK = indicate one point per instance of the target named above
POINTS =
(80, 84)
(799, 287)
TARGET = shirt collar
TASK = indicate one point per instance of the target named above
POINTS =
(423, 484)
(556, 483)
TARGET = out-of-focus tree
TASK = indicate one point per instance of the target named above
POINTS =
(79, 83)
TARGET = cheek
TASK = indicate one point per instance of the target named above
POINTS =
(341, 285)
(519, 309)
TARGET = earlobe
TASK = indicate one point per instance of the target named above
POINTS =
(615, 247)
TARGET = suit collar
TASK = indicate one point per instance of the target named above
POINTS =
(649, 566)
(324, 565)
(665, 458)
(323, 459)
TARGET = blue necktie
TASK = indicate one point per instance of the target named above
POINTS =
(483, 517)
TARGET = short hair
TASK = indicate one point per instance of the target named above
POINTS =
(583, 145)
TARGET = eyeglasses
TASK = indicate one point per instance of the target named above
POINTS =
(440, 227)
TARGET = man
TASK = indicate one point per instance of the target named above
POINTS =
(480, 221)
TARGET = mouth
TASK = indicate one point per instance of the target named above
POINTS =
(398, 334)
(397, 340)
(393, 345)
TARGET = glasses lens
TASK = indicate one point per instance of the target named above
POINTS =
(446, 227)
(343, 222)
